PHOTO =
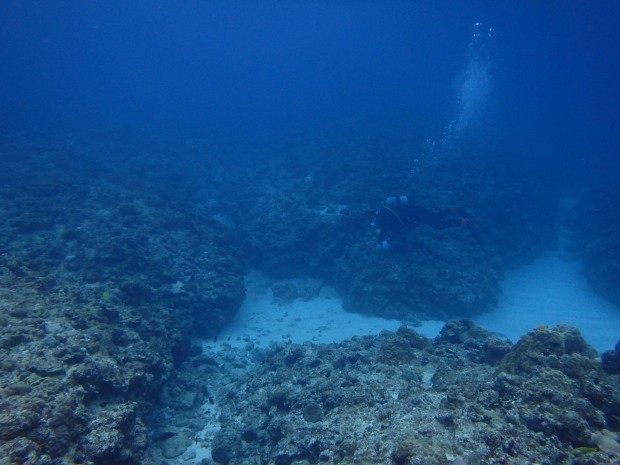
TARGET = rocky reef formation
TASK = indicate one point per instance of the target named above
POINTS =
(111, 262)
(101, 289)
(594, 223)
(307, 210)
(611, 360)
(466, 397)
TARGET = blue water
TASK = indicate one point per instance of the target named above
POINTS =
(249, 72)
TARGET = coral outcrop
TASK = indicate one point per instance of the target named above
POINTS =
(398, 398)
(101, 290)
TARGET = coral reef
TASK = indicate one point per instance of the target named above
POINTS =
(595, 238)
(101, 290)
(306, 210)
(398, 398)
(116, 253)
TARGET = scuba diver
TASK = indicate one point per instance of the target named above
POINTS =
(398, 214)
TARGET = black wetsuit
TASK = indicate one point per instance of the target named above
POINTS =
(398, 214)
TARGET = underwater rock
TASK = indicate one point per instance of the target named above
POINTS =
(610, 360)
(17, 389)
(481, 345)
(182, 392)
(224, 447)
(312, 412)
(560, 385)
(115, 435)
(18, 416)
(413, 284)
(310, 216)
(90, 327)
(402, 347)
(595, 239)
(561, 347)
(176, 445)
(135, 293)
(110, 278)
(401, 398)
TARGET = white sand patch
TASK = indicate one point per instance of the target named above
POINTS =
(263, 320)
(550, 291)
